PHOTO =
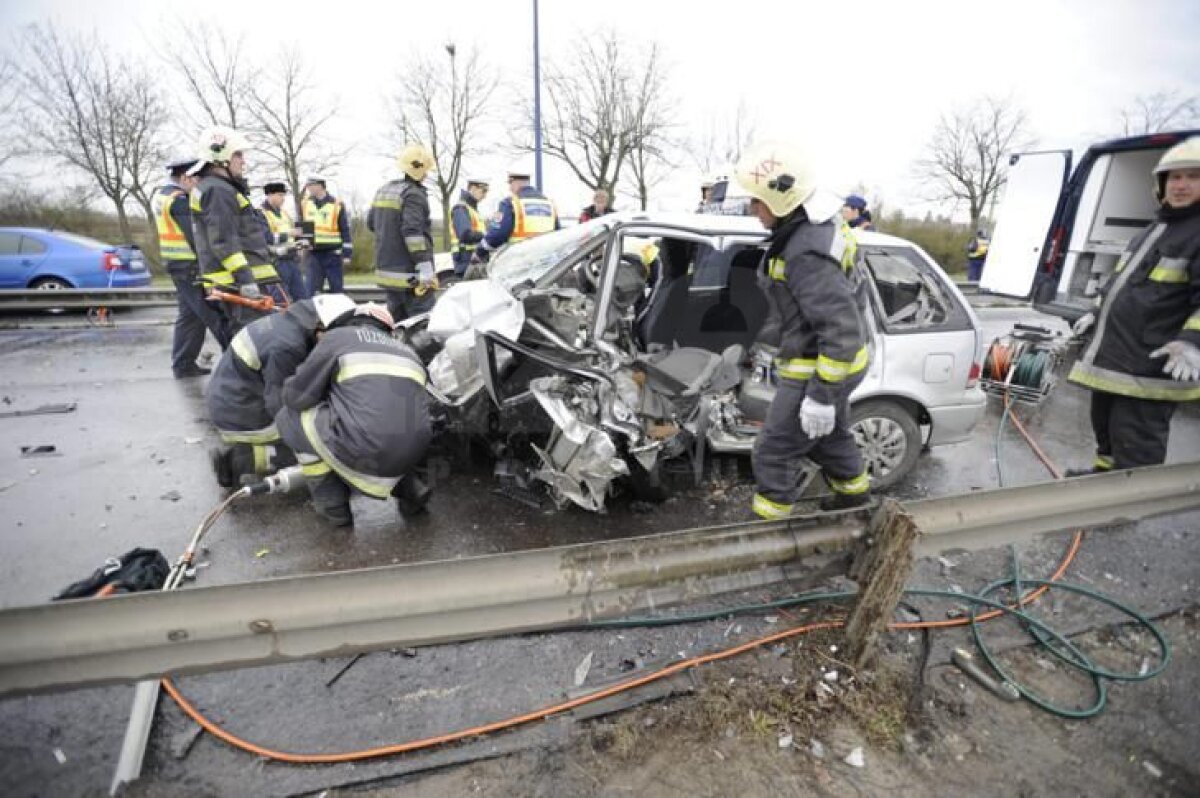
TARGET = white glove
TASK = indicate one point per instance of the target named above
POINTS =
(250, 291)
(1183, 360)
(425, 274)
(816, 419)
(1083, 324)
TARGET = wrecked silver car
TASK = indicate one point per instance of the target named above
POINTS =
(598, 353)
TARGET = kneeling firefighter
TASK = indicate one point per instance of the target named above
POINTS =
(356, 415)
(820, 333)
(244, 390)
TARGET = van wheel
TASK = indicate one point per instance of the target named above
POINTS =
(888, 437)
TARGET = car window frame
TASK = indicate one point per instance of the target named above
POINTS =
(958, 319)
(44, 247)
(16, 236)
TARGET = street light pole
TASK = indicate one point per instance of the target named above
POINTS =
(537, 104)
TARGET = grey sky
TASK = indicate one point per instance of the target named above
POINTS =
(861, 82)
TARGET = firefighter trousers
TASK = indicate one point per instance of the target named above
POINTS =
(1130, 432)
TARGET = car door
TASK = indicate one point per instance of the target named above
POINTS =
(11, 268)
(1036, 181)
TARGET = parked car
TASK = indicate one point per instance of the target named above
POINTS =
(607, 349)
(1059, 234)
(54, 259)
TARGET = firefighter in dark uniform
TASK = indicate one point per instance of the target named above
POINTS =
(356, 414)
(466, 225)
(523, 214)
(230, 244)
(399, 218)
(244, 391)
(284, 244)
(1144, 357)
(332, 245)
(822, 353)
(176, 246)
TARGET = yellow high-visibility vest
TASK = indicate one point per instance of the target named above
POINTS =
(325, 222)
(172, 243)
(476, 225)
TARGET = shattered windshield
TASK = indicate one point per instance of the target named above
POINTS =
(532, 259)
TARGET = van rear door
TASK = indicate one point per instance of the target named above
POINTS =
(1036, 181)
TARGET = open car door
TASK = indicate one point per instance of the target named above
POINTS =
(1035, 186)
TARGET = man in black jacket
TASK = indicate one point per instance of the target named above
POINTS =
(399, 218)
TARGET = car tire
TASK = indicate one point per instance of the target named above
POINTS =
(889, 438)
(50, 284)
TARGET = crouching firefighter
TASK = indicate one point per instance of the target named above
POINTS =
(356, 415)
(822, 353)
(245, 388)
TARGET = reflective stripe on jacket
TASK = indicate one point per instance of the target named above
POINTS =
(464, 241)
(230, 245)
(532, 216)
(328, 221)
(399, 218)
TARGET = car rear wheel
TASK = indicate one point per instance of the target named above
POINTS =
(889, 438)
(51, 284)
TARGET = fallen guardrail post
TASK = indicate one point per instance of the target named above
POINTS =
(881, 565)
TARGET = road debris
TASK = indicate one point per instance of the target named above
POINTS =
(41, 410)
(1152, 769)
(171, 496)
(855, 758)
(786, 740)
(40, 450)
(60, 756)
(183, 740)
(333, 679)
(582, 670)
(816, 748)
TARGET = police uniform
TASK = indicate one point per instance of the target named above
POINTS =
(821, 337)
(331, 242)
(176, 245)
(356, 415)
(522, 215)
(230, 244)
(280, 224)
(466, 231)
(977, 249)
(1153, 298)
(244, 392)
(399, 218)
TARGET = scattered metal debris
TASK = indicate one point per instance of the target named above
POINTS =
(40, 450)
(333, 679)
(41, 410)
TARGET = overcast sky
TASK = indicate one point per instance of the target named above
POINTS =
(862, 83)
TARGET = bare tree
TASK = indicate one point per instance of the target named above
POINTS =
(289, 119)
(215, 76)
(601, 105)
(1155, 113)
(722, 139)
(8, 105)
(91, 110)
(966, 160)
(649, 119)
(443, 108)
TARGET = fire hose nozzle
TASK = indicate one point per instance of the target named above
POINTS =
(284, 480)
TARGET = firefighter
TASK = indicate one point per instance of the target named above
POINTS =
(1145, 355)
(176, 247)
(332, 246)
(466, 225)
(230, 245)
(524, 213)
(284, 243)
(244, 391)
(356, 415)
(821, 338)
(399, 218)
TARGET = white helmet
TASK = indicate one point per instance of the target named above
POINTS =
(778, 175)
(1184, 155)
(218, 144)
(331, 307)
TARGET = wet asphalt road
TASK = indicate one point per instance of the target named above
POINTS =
(129, 468)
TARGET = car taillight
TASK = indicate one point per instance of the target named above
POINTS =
(973, 375)
(110, 261)
(1052, 253)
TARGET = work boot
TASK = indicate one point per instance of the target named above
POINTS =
(838, 502)
(221, 466)
(412, 495)
(190, 371)
(241, 464)
(331, 499)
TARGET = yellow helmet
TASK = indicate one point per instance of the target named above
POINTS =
(218, 144)
(777, 174)
(1184, 155)
(415, 161)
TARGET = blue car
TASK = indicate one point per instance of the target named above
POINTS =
(51, 260)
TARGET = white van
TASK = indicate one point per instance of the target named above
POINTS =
(1059, 234)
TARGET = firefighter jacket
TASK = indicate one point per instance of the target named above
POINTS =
(522, 215)
(399, 218)
(361, 399)
(820, 331)
(331, 224)
(173, 219)
(244, 391)
(466, 225)
(230, 245)
(1153, 298)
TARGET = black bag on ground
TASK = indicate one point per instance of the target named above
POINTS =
(137, 569)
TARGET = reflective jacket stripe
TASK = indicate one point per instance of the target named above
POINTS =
(391, 279)
(765, 508)
(1170, 270)
(797, 368)
(325, 221)
(476, 225)
(415, 243)
(526, 225)
(363, 364)
(243, 346)
(858, 484)
(1193, 322)
(265, 435)
(1109, 381)
(172, 243)
(832, 370)
(378, 487)
(235, 261)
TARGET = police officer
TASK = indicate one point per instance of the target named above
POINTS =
(466, 225)
(523, 214)
(332, 244)
(356, 415)
(855, 213)
(977, 250)
(176, 246)
(821, 334)
(399, 218)
(284, 243)
(230, 244)
(244, 392)
(1145, 355)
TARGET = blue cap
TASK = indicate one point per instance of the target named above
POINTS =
(856, 202)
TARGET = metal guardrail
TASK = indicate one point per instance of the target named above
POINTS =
(84, 298)
(129, 638)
